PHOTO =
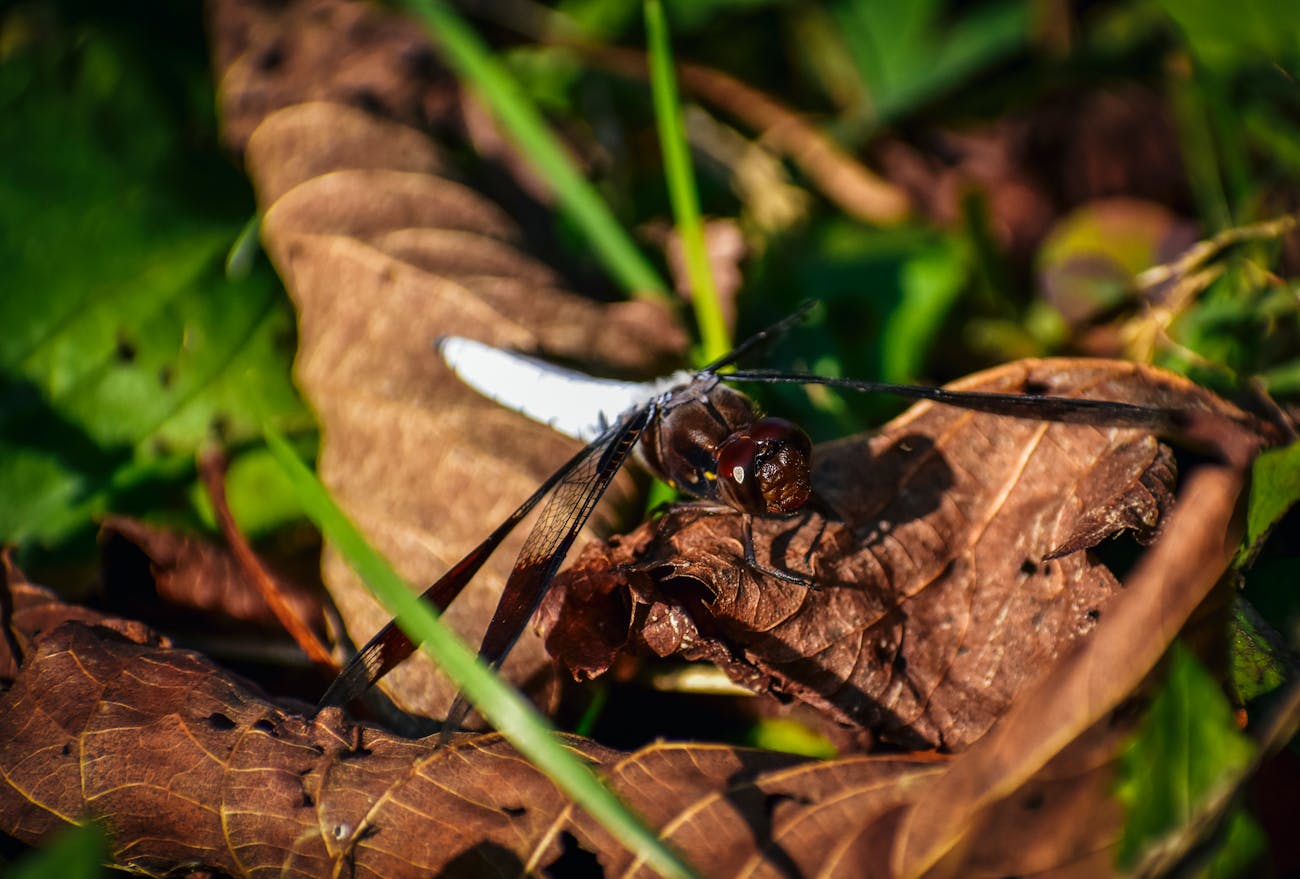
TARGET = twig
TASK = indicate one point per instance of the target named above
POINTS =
(212, 469)
(1191, 273)
(837, 175)
(1203, 251)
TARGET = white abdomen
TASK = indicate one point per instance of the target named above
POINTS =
(571, 402)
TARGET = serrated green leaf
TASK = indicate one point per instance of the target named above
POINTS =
(908, 52)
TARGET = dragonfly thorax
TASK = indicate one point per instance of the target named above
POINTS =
(709, 440)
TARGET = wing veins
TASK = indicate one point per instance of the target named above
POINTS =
(390, 646)
(549, 542)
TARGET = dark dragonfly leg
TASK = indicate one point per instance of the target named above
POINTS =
(752, 562)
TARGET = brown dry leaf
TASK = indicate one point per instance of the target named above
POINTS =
(189, 571)
(27, 612)
(1073, 717)
(940, 597)
(188, 768)
(382, 254)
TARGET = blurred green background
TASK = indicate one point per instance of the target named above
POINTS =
(1051, 152)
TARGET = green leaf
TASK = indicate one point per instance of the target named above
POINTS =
(790, 736)
(1187, 749)
(930, 283)
(908, 51)
(125, 346)
(1258, 656)
(78, 852)
(1244, 845)
(1274, 489)
(1226, 35)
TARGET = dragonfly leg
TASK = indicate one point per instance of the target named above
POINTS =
(752, 562)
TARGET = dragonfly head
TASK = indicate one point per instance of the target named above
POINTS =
(766, 468)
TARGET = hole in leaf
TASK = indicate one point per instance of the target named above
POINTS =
(514, 811)
(219, 721)
(420, 62)
(366, 99)
(267, 727)
(125, 352)
(272, 58)
(574, 861)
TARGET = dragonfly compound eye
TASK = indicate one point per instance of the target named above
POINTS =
(766, 468)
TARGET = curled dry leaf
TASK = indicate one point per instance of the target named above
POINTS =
(949, 553)
(188, 571)
(28, 611)
(382, 254)
(1074, 714)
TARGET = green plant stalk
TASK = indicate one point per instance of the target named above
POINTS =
(528, 130)
(504, 708)
(714, 339)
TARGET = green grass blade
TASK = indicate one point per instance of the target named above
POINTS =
(504, 708)
(525, 126)
(714, 338)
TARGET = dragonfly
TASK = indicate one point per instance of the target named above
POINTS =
(696, 432)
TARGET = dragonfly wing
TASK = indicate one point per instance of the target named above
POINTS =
(390, 646)
(550, 540)
(1071, 410)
